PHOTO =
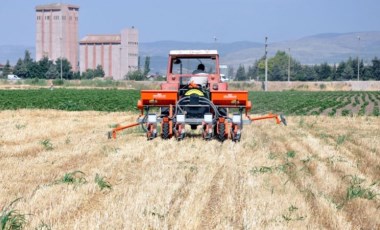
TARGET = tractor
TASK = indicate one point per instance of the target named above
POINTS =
(194, 96)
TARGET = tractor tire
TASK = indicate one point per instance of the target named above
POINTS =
(165, 131)
(222, 130)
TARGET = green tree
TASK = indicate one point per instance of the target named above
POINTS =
(334, 72)
(277, 74)
(29, 65)
(240, 74)
(252, 72)
(260, 66)
(44, 65)
(135, 75)
(230, 71)
(310, 73)
(34, 70)
(139, 63)
(99, 72)
(375, 68)
(7, 69)
(67, 72)
(367, 73)
(76, 75)
(146, 65)
(52, 72)
(88, 74)
(20, 69)
(348, 72)
(339, 71)
(27, 58)
(324, 72)
(278, 67)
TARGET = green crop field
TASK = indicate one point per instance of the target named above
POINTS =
(316, 103)
(70, 99)
(286, 102)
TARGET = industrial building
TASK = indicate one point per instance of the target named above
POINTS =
(57, 32)
(57, 36)
(117, 54)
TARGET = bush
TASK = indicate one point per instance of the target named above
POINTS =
(58, 82)
(36, 81)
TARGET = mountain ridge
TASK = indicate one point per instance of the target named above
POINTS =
(314, 49)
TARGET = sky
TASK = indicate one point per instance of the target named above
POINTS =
(200, 20)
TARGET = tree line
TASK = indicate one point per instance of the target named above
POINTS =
(278, 70)
(48, 69)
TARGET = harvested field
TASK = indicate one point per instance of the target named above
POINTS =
(319, 172)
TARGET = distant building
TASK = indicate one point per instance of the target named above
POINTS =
(117, 54)
(57, 32)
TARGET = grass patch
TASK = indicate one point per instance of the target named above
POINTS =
(291, 214)
(11, 218)
(341, 139)
(47, 144)
(285, 168)
(102, 183)
(357, 190)
(75, 177)
(272, 156)
(19, 126)
(262, 169)
(43, 226)
(291, 154)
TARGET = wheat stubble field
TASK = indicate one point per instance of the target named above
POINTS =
(319, 172)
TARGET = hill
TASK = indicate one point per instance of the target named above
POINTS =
(330, 47)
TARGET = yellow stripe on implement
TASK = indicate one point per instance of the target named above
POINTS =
(194, 91)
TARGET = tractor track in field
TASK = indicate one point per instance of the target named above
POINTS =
(212, 207)
(180, 196)
(302, 181)
(337, 194)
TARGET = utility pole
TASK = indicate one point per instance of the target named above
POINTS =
(289, 67)
(60, 38)
(266, 65)
(120, 74)
(358, 57)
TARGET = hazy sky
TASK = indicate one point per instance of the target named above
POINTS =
(200, 20)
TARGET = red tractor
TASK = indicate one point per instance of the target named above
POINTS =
(194, 96)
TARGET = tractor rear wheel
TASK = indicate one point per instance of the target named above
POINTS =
(165, 130)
